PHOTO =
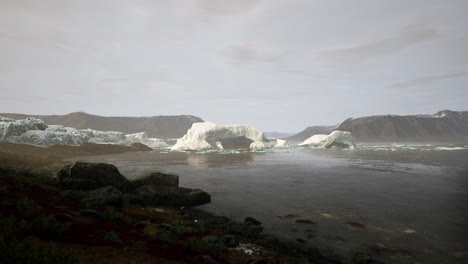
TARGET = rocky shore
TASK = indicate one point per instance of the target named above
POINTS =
(90, 213)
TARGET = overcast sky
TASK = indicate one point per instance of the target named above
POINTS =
(279, 65)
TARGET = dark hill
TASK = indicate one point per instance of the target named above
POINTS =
(444, 126)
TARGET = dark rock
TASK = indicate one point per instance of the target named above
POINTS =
(215, 245)
(268, 240)
(252, 221)
(72, 194)
(355, 224)
(301, 240)
(64, 217)
(141, 224)
(208, 260)
(362, 258)
(288, 216)
(304, 221)
(229, 240)
(133, 199)
(78, 184)
(103, 174)
(172, 196)
(166, 236)
(113, 237)
(256, 261)
(88, 212)
(156, 178)
(250, 231)
(106, 196)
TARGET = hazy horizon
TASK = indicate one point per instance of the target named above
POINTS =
(279, 66)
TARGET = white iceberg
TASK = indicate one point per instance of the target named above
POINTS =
(143, 138)
(47, 138)
(103, 137)
(11, 128)
(314, 140)
(207, 135)
(281, 143)
(337, 139)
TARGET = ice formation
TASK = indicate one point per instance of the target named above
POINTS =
(11, 128)
(103, 137)
(207, 135)
(277, 143)
(143, 138)
(337, 139)
(47, 138)
(314, 140)
(35, 132)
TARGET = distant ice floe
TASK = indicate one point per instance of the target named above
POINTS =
(451, 148)
(143, 138)
(209, 136)
(337, 139)
(411, 147)
(35, 132)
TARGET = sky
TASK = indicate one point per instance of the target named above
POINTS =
(278, 65)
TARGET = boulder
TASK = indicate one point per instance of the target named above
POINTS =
(78, 184)
(252, 221)
(172, 196)
(106, 196)
(156, 178)
(72, 194)
(103, 174)
(244, 229)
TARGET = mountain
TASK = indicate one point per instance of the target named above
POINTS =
(154, 126)
(310, 131)
(277, 134)
(441, 127)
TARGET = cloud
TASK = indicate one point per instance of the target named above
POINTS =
(426, 80)
(247, 54)
(226, 7)
(382, 47)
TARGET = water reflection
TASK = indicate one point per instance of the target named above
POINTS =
(415, 200)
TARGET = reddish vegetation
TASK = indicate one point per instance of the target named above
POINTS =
(85, 235)
(29, 155)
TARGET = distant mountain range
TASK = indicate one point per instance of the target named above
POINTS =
(444, 126)
(155, 126)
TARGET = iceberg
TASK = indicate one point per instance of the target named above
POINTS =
(103, 137)
(11, 128)
(47, 138)
(281, 143)
(143, 138)
(337, 139)
(314, 140)
(207, 135)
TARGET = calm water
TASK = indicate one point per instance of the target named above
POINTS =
(413, 203)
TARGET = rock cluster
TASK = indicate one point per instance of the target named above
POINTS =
(99, 185)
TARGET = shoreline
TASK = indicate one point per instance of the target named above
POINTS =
(250, 241)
